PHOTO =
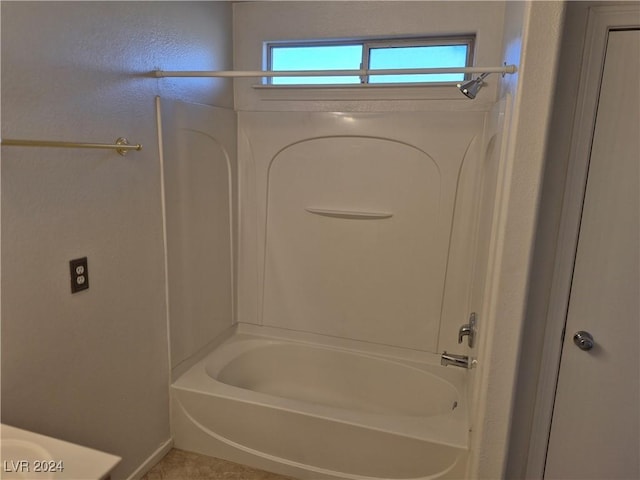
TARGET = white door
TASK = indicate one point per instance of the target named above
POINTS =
(596, 424)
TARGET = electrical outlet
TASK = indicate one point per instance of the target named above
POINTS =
(79, 274)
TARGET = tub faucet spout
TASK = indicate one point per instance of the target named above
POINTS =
(455, 360)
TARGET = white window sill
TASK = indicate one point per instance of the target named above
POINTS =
(367, 91)
(356, 85)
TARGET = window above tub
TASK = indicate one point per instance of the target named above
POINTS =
(369, 54)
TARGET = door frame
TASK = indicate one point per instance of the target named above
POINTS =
(601, 20)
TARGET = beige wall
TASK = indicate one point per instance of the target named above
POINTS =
(531, 40)
(546, 236)
(93, 368)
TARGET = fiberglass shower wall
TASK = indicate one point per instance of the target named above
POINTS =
(199, 166)
(358, 223)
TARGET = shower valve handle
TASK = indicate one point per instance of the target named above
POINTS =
(468, 330)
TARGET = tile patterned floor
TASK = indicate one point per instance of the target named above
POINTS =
(182, 465)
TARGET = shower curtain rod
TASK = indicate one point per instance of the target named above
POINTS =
(331, 73)
(121, 145)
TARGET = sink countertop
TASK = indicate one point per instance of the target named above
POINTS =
(29, 455)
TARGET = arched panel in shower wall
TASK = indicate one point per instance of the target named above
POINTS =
(356, 241)
(353, 217)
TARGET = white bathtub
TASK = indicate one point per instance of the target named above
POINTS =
(315, 410)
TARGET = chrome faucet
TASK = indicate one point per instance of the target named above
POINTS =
(468, 330)
(456, 360)
(463, 361)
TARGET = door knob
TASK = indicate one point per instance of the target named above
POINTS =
(584, 340)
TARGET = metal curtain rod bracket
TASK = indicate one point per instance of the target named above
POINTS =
(121, 145)
(333, 73)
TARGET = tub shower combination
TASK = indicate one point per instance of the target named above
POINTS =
(358, 239)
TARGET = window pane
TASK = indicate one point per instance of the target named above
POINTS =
(418, 57)
(317, 57)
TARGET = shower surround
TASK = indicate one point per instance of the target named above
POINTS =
(357, 239)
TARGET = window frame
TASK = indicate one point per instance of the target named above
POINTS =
(367, 45)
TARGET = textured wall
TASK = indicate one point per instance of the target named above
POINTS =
(544, 259)
(532, 36)
(92, 368)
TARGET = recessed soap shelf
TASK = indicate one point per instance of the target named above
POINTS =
(349, 214)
